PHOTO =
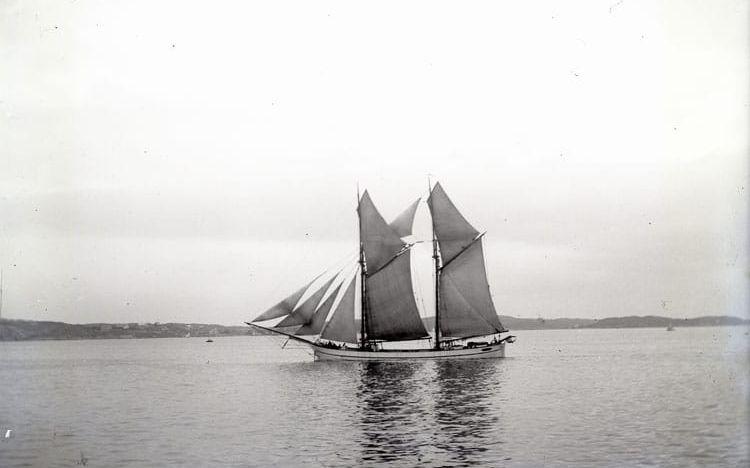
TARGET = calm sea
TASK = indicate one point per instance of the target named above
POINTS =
(636, 397)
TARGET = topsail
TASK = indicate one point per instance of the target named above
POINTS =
(452, 230)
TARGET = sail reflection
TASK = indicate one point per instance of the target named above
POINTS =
(431, 412)
(392, 413)
(467, 411)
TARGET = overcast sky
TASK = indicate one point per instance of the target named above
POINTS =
(197, 161)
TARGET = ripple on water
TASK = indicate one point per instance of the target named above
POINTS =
(608, 397)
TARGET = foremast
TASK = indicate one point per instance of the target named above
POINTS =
(436, 258)
(363, 284)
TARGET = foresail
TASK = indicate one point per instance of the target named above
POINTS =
(466, 307)
(286, 306)
(315, 324)
(403, 223)
(392, 309)
(305, 311)
(381, 242)
(342, 326)
(452, 230)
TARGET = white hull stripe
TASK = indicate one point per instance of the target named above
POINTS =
(493, 351)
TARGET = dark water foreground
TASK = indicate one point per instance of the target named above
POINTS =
(632, 397)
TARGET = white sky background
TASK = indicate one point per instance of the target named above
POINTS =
(197, 161)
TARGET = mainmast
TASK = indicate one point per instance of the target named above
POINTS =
(363, 273)
(436, 257)
(1, 293)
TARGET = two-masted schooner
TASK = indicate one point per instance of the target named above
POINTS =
(466, 322)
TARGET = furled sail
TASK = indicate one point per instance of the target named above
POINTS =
(315, 324)
(381, 242)
(392, 309)
(452, 230)
(466, 307)
(403, 223)
(286, 306)
(305, 311)
(342, 327)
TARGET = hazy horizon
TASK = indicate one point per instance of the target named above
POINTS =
(199, 166)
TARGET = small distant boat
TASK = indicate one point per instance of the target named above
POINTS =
(209, 340)
(466, 322)
(670, 327)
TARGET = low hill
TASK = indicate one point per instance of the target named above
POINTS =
(635, 321)
(19, 330)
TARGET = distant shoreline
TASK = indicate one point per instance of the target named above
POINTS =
(29, 330)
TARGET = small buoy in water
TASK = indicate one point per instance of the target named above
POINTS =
(209, 340)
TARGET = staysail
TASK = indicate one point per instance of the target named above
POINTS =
(286, 306)
(302, 314)
(342, 326)
(315, 324)
(465, 303)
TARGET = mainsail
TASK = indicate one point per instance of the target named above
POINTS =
(391, 309)
(302, 314)
(315, 324)
(465, 304)
(342, 327)
(286, 306)
(393, 313)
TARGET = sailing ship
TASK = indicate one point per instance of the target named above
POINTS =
(381, 293)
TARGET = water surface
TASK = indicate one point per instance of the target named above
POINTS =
(635, 397)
